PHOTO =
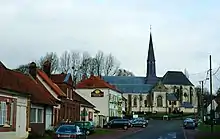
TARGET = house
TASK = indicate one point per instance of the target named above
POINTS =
(106, 98)
(70, 109)
(215, 108)
(61, 88)
(18, 94)
(171, 93)
(74, 101)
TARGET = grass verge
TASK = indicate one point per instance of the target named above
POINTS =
(102, 131)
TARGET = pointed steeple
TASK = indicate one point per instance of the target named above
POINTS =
(151, 66)
(151, 56)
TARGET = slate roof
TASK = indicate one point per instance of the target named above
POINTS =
(129, 84)
(175, 78)
(171, 97)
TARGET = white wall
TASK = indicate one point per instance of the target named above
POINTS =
(101, 103)
(21, 117)
(49, 117)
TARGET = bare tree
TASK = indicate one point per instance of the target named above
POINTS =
(75, 65)
(99, 62)
(84, 66)
(111, 65)
(123, 72)
(65, 62)
(53, 58)
(23, 68)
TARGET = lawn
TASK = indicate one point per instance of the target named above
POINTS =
(205, 132)
(207, 128)
(102, 131)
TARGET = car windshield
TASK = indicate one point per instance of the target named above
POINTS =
(67, 129)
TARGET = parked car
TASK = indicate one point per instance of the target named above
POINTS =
(119, 123)
(86, 126)
(69, 132)
(189, 124)
(196, 122)
(140, 123)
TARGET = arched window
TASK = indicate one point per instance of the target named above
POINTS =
(159, 101)
(190, 94)
(135, 101)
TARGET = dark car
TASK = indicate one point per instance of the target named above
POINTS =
(189, 124)
(119, 123)
(69, 132)
(140, 123)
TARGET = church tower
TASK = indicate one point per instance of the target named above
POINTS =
(151, 64)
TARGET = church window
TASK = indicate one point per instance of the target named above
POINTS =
(159, 101)
(170, 103)
(145, 102)
(135, 101)
(174, 102)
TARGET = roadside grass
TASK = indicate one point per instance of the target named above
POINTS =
(102, 132)
(207, 128)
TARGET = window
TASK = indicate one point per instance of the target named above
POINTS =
(67, 92)
(71, 95)
(3, 113)
(135, 101)
(170, 103)
(159, 101)
(36, 115)
(145, 103)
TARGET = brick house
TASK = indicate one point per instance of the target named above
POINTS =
(74, 103)
(19, 93)
(61, 88)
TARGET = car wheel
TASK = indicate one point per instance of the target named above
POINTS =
(108, 126)
(143, 126)
(125, 127)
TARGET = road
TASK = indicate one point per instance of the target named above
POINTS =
(158, 129)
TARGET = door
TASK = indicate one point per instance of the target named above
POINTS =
(48, 118)
(21, 121)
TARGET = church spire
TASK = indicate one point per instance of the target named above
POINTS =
(151, 67)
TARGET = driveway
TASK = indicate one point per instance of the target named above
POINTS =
(159, 129)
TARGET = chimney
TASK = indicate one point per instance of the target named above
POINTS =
(33, 70)
(83, 77)
(91, 74)
(47, 67)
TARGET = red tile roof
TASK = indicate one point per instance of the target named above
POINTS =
(58, 78)
(24, 84)
(50, 83)
(95, 82)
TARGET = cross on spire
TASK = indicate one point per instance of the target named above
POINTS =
(150, 28)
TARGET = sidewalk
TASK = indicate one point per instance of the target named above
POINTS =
(117, 133)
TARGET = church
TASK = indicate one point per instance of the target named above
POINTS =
(168, 94)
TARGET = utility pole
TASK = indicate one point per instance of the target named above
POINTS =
(211, 112)
(201, 101)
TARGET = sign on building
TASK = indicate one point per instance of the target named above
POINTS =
(97, 93)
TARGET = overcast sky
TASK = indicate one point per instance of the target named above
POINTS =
(185, 32)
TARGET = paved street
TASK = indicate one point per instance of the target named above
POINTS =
(159, 129)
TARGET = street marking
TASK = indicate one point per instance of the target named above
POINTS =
(173, 135)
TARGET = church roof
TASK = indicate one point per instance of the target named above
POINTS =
(124, 79)
(129, 84)
(175, 78)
